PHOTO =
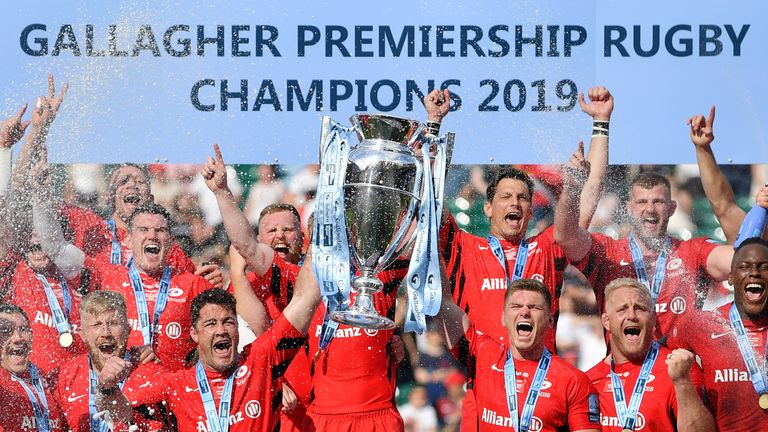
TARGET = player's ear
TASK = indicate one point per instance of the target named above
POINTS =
(604, 319)
(193, 333)
(487, 209)
(672, 207)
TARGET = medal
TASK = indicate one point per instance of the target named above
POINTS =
(763, 401)
(65, 339)
(626, 430)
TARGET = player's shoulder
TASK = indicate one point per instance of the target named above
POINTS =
(71, 370)
(565, 370)
(598, 372)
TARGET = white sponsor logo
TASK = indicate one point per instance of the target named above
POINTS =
(492, 417)
(175, 292)
(674, 264)
(615, 422)
(173, 330)
(496, 368)
(189, 389)
(345, 332)
(73, 398)
(545, 385)
(481, 247)
(145, 385)
(677, 305)
(716, 336)
(29, 423)
(731, 375)
(47, 320)
(234, 418)
(624, 263)
(491, 284)
(253, 409)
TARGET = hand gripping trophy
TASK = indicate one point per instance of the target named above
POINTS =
(371, 196)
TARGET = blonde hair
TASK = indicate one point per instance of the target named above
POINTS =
(98, 302)
(632, 283)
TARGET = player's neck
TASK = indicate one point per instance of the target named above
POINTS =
(620, 358)
(758, 320)
(532, 354)
(650, 245)
(154, 274)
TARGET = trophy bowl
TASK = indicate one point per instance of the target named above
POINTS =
(382, 190)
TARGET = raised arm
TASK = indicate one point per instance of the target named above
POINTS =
(249, 306)
(600, 108)
(438, 104)
(11, 131)
(692, 415)
(306, 297)
(716, 186)
(67, 257)
(574, 239)
(258, 255)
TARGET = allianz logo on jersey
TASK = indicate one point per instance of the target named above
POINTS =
(46, 319)
(731, 375)
(493, 284)
(614, 421)
(30, 423)
(492, 417)
(348, 332)
(172, 329)
(252, 410)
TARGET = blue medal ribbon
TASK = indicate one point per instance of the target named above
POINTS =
(642, 273)
(218, 421)
(628, 415)
(330, 256)
(116, 255)
(522, 423)
(520, 259)
(96, 423)
(423, 279)
(756, 374)
(148, 329)
(60, 317)
(37, 398)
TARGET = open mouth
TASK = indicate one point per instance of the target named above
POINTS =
(108, 348)
(753, 291)
(524, 328)
(632, 334)
(513, 217)
(152, 249)
(20, 351)
(132, 199)
(281, 248)
(650, 221)
(222, 347)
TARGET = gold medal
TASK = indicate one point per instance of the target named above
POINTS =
(763, 401)
(626, 430)
(65, 339)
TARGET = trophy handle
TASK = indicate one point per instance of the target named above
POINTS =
(450, 139)
(324, 130)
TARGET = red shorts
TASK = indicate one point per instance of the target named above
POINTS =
(469, 412)
(385, 420)
(292, 421)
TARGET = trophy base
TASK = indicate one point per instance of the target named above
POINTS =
(371, 321)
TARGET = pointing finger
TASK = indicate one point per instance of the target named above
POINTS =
(217, 150)
(21, 112)
(711, 118)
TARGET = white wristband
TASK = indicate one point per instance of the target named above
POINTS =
(5, 169)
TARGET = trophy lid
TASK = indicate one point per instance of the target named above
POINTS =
(386, 127)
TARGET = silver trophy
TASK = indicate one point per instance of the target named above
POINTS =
(382, 192)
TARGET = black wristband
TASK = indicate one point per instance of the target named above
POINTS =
(433, 127)
(108, 391)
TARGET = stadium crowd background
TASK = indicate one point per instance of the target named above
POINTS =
(431, 385)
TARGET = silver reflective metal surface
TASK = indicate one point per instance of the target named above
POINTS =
(382, 192)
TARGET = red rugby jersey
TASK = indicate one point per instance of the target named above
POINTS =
(16, 409)
(610, 259)
(477, 279)
(72, 394)
(172, 342)
(730, 394)
(658, 409)
(28, 293)
(256, 393)
(565, 393)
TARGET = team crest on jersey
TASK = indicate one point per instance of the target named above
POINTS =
(173, 330)
(674, 264)
(241, 372)
(371, 332)
(175, 292)
(677, 305)
(538, 277)
(253, 409)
